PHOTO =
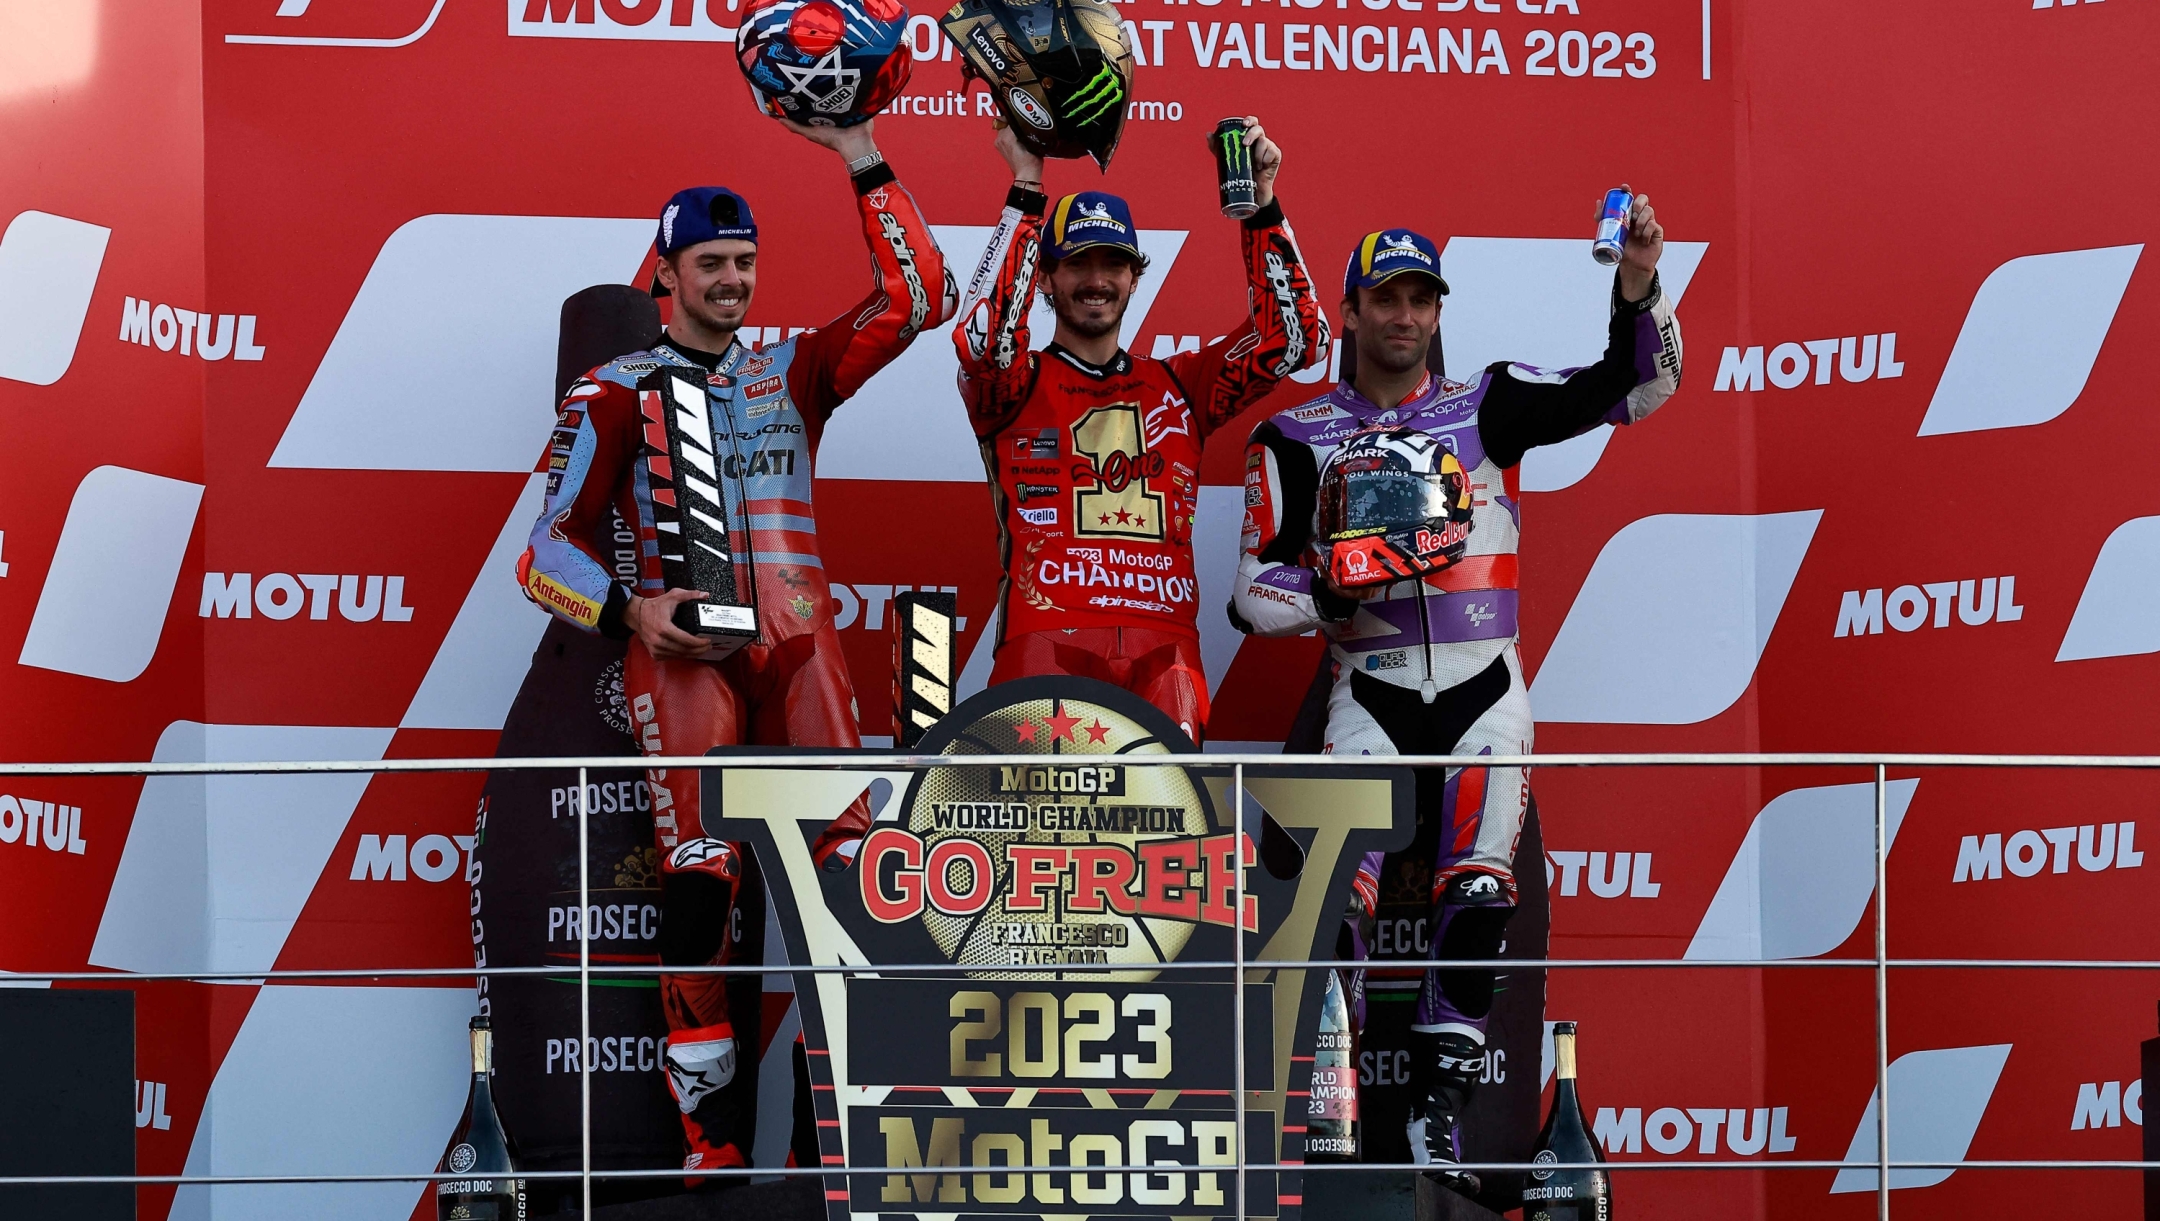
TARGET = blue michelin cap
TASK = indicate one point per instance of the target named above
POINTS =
(1091, 218)
(704, 214)
(1389, 253)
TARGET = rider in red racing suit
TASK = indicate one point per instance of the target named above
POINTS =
(790, 686)
(1093, 453)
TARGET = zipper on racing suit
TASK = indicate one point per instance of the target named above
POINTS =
(1429, 690)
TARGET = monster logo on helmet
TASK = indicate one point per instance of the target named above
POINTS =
(1059, 70)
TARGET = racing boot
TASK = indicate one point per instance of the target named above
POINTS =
(1446, 1064)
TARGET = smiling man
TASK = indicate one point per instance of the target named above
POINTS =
(790, 686)
(1094, 453)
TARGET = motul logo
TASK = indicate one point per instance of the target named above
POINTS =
(2097, 846)
(1673, 1130)
(1613, 875)
(150, 1106)
(385, 858)
(1855, 358)
(194, 333)
(1907, 608)
(31, 823)
(658, 20)
(2105, 1104)
(281, 595)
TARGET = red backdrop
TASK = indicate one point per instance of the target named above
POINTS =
(378, 207)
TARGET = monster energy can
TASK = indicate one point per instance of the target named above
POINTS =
(1234, 169)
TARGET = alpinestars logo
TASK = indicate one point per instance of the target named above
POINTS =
(1278, 278)
(895, 236)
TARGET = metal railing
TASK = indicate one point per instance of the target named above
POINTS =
(1879, 964)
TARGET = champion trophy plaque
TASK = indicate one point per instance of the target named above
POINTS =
(697, 494)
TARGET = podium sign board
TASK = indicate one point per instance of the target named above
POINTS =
(1062, 894)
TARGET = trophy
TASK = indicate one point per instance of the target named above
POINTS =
(697, 494)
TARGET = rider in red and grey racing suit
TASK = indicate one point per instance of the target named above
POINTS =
(1095, 468)
(1430, 666)
(790, 686)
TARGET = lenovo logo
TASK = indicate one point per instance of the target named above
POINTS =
(651, 20)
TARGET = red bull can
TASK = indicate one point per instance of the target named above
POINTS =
(1612, 226)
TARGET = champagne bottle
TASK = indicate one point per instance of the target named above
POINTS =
(1332, 1105)
(1567, 1195)
(480, 1149)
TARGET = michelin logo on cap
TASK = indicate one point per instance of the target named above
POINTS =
(1389, 253)
(1091, 218)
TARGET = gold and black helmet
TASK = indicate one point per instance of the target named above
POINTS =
(1060, 70)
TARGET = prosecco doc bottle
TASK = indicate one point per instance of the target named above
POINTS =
(1567, 1195)
(481, 1153)
(1332, 1105)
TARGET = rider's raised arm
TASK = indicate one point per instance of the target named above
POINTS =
(1286, 331)
(1528, 406)
(996, 369)
(911, 293)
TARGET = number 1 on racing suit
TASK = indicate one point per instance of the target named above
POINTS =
(1095, 467)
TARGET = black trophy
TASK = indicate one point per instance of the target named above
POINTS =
(697, 493)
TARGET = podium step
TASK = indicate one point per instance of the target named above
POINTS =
(1386, 1195)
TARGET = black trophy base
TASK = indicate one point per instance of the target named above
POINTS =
(729, 626)
(1386, 1195)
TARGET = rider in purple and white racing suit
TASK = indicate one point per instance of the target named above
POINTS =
(1429, 666)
